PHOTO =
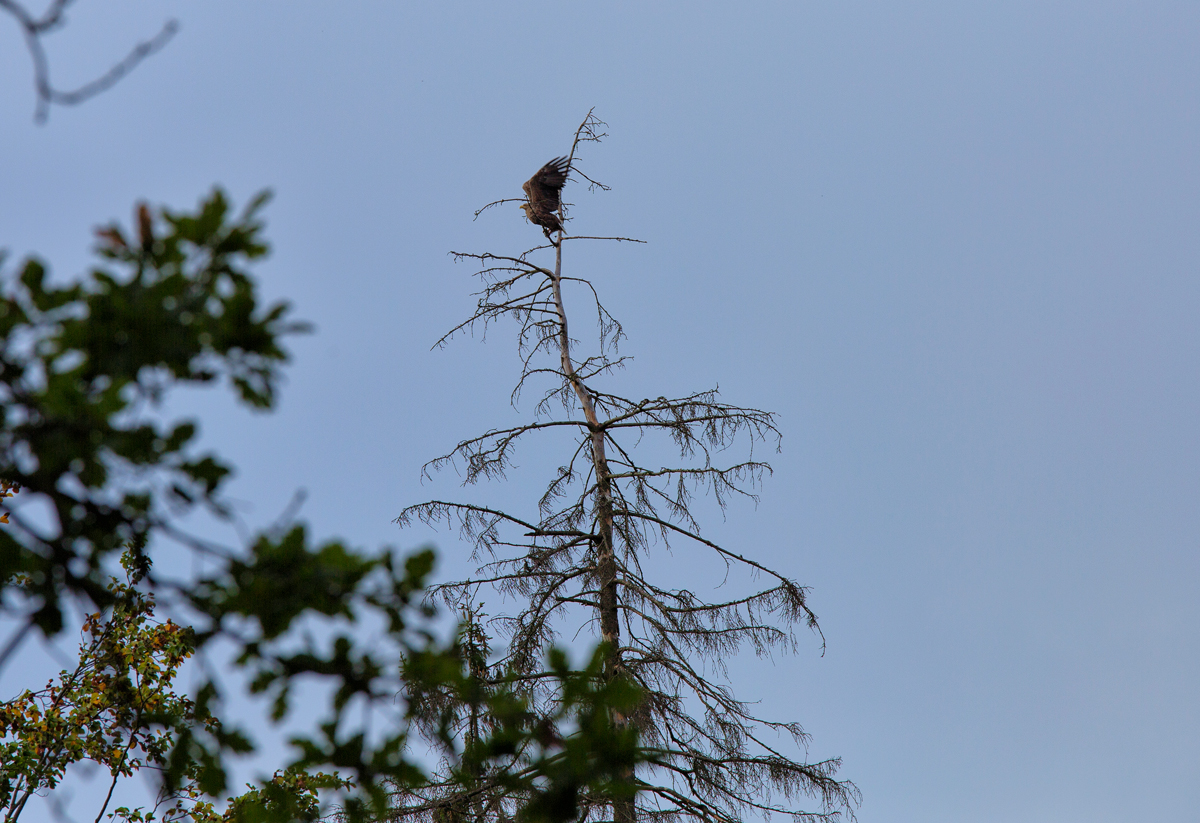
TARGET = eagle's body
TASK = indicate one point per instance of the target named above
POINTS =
(542, 191)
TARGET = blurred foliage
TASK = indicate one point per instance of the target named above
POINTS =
(83, 366)
(84, 370)
(551, 764)
(6, 490)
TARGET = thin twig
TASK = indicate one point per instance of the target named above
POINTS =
(35, 28)
(482, 209)
(622, 239)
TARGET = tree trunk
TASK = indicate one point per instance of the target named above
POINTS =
(624, 810)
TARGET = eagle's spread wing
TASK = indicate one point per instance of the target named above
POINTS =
(543, 190)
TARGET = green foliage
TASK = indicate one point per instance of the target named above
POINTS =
(288, 796)
(261, 601)
(116, 709)
(553, 763)
(81, 363)
(83, 368)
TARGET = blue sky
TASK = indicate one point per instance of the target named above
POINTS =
(954, 246)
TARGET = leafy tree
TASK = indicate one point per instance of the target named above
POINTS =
(575, 563)
(119, 709)
(115, 709)
(84, 368)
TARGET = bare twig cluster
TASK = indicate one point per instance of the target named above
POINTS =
(577, 563)
(35, 27)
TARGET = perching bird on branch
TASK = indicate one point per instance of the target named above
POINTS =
(543, 190)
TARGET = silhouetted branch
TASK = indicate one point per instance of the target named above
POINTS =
(34, 28)
(585, 237)
(482, 209)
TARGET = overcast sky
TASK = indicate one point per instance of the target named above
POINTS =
(953, 245)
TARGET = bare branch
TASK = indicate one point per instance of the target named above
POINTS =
(35, 28)
(586, 237)
(482, 209)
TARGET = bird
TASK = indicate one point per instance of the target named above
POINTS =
(542, 192)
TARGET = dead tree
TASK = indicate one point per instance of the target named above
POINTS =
(578, 561)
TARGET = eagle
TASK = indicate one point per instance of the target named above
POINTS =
(542, 192)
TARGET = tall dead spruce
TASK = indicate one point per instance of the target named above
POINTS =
(578, 563)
